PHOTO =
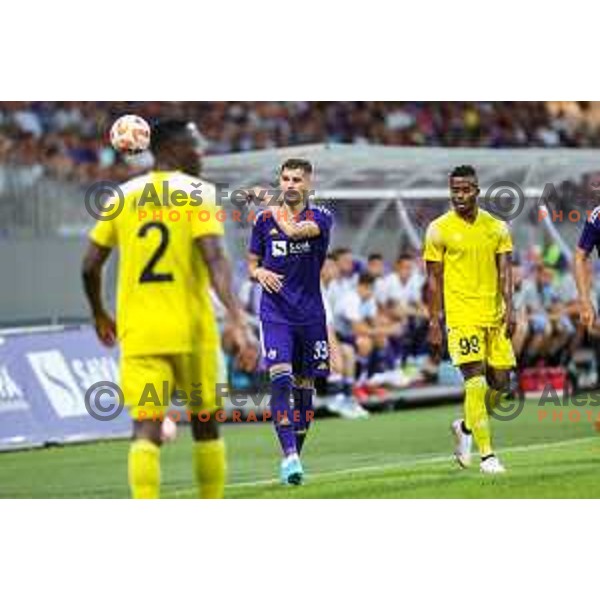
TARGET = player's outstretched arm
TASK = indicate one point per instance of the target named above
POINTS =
(219, 269)
(435, 272)
(295, 229)
(505, 283)
(91, 272)
(583, 281)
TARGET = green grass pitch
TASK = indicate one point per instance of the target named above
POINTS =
(404, 454)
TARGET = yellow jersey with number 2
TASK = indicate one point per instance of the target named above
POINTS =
(163, 303)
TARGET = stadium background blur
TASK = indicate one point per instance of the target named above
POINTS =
(52, 152)
(48, 149)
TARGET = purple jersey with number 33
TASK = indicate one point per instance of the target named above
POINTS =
(299, 302)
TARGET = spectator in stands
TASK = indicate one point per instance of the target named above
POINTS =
(404, 287)
(562, 306)
(532, 300)
(355, 320)
(567, 292)
(342, 358)
(521, 332)
(550, 325)
(329, 274)
(250, 292)
(79, 129)
(376, 268)
(403, 303)
(348, 271)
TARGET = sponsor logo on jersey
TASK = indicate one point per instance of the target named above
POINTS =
(279, 248)
(285, 248)
(300, 247)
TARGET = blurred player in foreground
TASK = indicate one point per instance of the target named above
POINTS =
(468, 254)
(287, 249)
(165, 321)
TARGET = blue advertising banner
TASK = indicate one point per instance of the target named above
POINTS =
(44, 377)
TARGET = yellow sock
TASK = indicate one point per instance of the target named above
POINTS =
(476, 417)
(144, 469)
(210, 468)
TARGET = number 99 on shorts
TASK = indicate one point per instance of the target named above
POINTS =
(480, 344)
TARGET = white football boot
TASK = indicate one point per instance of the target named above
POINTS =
(462, 449)
(491, 466)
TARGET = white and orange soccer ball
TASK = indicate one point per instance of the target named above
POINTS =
(130, 134)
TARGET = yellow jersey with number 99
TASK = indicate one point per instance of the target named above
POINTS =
(468, 252)
(163, 302)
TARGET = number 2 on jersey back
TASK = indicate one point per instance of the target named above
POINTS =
(149, 274)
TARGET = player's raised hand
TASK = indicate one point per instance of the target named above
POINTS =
(247, 355)
(434, 337)
(239, 340)
(510, 323)
(269, 280)
(106, 329)
(588, 314)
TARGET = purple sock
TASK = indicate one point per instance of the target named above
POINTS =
(362, 365)
(390, 357)
(378, 361)
(303, 407)
(281, 391)
(348, 385)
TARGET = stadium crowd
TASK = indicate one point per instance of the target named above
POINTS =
(377, 313)
(378, 318)
(68, 140)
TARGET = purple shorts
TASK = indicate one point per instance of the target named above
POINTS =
(305, 347)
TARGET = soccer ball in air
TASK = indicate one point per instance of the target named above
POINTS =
(130, 133)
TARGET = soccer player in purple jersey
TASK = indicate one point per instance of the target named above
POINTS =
(590, 239)
(287, 249)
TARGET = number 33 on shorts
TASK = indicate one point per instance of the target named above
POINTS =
(321, 350)
(475, 344)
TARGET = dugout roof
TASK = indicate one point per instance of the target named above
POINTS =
(360, 170)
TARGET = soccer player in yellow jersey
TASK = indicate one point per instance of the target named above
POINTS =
(169, 237)
(468, 254)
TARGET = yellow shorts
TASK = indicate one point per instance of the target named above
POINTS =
(153, 385)
(472, 343)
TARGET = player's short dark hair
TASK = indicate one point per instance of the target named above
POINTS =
(340, 251)
(167, 131)
(297, 163)
(366, 279)
(405, 256)
(375, 256)
(464, 171)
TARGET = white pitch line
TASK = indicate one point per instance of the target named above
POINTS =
(415, 462)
